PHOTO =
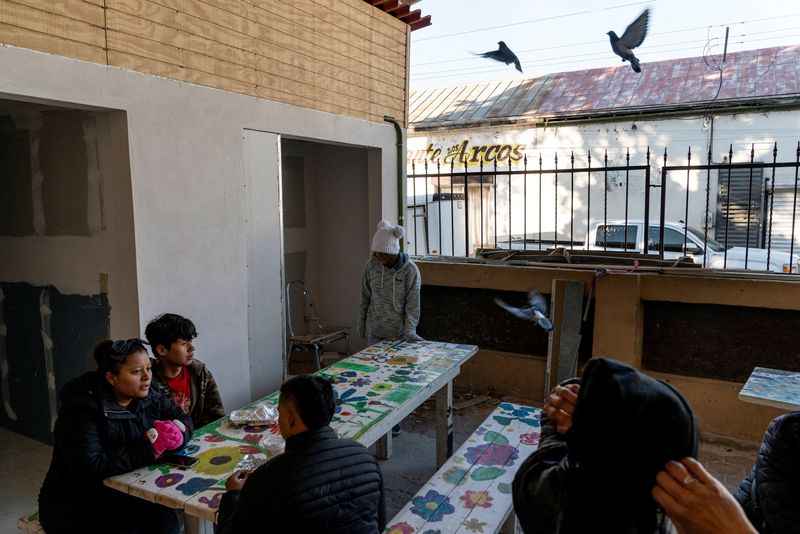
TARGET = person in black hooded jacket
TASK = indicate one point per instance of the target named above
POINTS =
(321, 483)
(603, 442)
(110, 422)
(770, 495)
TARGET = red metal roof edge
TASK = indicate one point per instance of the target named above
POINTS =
(401, 10)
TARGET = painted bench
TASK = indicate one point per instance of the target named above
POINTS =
(472, 491)
(30, 523)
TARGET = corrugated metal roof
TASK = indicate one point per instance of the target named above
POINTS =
(663, 85)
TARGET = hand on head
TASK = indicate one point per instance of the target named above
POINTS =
(696, 502)
(560, 406)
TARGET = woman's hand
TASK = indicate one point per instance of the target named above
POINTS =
(560, 405)
(698, 503)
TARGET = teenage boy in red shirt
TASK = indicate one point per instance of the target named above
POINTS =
(179, 373)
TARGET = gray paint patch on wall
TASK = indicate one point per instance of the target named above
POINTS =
(76, 322)
(63, 162)
(294, 195)
(16, 196)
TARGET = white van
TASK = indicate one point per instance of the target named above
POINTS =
(617, 237)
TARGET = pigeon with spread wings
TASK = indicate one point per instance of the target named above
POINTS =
(634, 36)
(535, 311)
(503, 54)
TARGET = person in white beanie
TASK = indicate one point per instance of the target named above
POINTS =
(389, 289)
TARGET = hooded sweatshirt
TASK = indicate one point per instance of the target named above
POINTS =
(389, 299)
(599, 476)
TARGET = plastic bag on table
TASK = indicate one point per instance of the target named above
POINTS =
(273, 445)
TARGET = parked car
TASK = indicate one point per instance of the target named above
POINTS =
(612, 235)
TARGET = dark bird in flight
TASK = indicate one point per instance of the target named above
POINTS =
(634, 36)
(535, 311)
(504, 55)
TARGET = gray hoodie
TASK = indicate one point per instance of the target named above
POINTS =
(389, 299)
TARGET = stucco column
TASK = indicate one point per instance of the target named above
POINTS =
(618, 319)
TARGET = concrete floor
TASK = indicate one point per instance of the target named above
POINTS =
(24, 462)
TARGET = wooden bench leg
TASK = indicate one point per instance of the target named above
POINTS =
(510, 524)
(383, 447)
(195, 525)
(444, 424)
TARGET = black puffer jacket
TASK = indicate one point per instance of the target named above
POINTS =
(322, 483)
(771, 494)
(96, 438)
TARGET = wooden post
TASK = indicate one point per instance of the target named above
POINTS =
(444, 424)
(567, 314)
(383, 447)
(510, 524)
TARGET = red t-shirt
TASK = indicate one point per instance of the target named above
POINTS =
(181, 390)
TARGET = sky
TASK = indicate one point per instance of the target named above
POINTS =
(550, 37)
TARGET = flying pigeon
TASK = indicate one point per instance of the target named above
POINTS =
(535, 311)
(504, 55)
(634, 36)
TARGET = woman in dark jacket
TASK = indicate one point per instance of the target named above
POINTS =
(110, 422)
(595, 469)
(770, 496)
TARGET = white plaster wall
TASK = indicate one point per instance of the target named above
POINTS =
(344, 233)
(189, 197)
(757, 130)
(338, 230)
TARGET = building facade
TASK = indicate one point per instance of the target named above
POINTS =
(745, 106)
(150, 152)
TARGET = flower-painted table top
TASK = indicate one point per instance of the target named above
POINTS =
(372, 387)
(472, 491)
(772, 387)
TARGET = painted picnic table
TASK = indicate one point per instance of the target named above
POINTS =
(772, 387)
(375, 388)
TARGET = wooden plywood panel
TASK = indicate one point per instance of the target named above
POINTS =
(339, 57)
(29, 18)
(145, 9)
(144, 28)
(385, 23)
(170, 70)
(26, 38)
(131, 44)
(346, 42)
(73, 9)
(337, 13)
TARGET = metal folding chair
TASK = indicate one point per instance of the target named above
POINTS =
(317, 335)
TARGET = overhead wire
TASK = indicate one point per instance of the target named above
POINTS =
(584, 43)
(531, 21)
(443, 73)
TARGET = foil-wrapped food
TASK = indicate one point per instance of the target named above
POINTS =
(250, 462)
(260, 414)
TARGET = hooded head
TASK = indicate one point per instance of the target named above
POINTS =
(625, 428)
(387, 238)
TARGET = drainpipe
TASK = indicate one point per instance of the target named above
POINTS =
(401, 173)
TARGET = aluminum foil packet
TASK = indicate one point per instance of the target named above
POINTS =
(250, 462)
(260, 414)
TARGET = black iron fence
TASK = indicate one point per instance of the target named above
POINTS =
(728, 214)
